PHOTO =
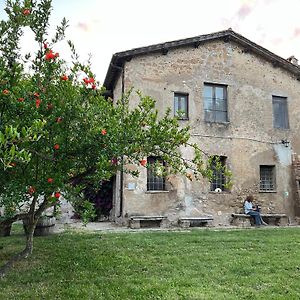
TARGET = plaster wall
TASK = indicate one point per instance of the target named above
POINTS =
(248, 139)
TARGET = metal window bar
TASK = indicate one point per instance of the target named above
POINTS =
(267, 178)
(218, 179)
(155, 182)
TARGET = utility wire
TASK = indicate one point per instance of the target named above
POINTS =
(240, 138)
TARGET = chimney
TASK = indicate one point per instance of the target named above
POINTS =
(292, 59)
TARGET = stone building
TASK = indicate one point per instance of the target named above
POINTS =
(243, 105)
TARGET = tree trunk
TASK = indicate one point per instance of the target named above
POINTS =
(9, 221)
(29, 238)
(23, 254)
(5, 228)
(32, 218)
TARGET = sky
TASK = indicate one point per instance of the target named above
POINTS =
(104, 27)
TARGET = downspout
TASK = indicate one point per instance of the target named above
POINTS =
(122, 157)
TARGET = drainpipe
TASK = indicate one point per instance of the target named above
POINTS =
(122, 69)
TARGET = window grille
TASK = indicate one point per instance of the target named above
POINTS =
(267, 178)
(155, 182)
(218, 179)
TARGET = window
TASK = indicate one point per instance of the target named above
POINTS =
(280, 112)
(218, 165)
(267, 178)
(181, 106)
(155, 182)
(215, 103)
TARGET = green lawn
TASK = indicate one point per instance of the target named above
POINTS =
(200, 264)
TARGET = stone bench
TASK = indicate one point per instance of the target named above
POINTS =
(244, 220)
(186, 222)
(136, 222)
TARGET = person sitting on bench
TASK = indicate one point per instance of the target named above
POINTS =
(253, 211)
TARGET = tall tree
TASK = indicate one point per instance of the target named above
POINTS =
(56, 127)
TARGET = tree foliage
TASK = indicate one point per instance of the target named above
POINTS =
(57, 129)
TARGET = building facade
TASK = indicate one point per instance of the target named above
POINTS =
(243, 105)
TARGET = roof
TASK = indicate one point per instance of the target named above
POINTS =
(119, 58)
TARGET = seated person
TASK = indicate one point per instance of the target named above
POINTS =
(252, 211)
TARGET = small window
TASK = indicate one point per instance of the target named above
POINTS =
(215, 103)
(218, 166)
(181, 106)
(267, 178)
(155, 181)
(280, 112)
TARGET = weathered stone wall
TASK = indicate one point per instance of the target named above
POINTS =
(248, 140)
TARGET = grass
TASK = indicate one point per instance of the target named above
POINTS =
(200, 264)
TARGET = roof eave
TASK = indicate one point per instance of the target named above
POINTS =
(118, 59)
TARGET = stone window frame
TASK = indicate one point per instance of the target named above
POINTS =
(185, 111)
(280, 112)
(267, 178)
(154, 181)
(213, 99)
